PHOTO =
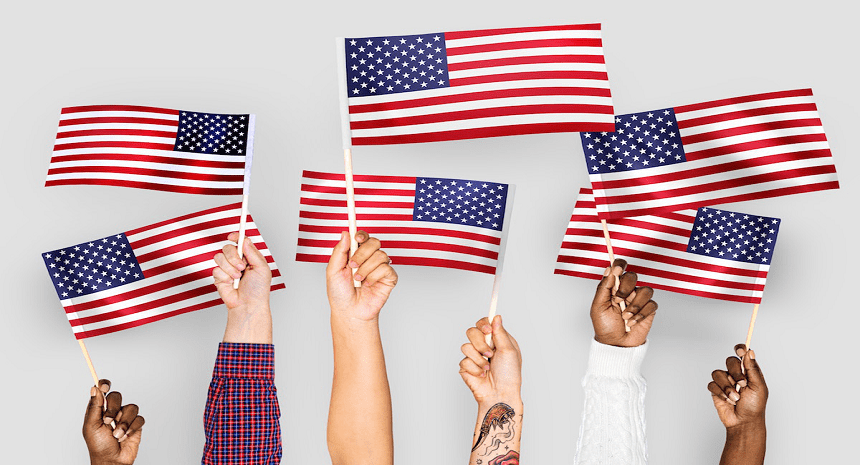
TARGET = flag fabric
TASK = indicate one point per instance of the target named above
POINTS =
(471, 84)
(712, 153)
(147, 274)
(451, 223)
(152, 148)
(707, 252)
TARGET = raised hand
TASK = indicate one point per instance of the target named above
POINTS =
(606, 315)
(373, 271)
(500, 376)
(107, 444)
(249, 319)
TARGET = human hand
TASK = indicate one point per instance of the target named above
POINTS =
(373, 271)
(745, 405)
(498, 379)
(108, 445)
(606, 314)
(255, 285)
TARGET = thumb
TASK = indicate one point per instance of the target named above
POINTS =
(501, 338)
(93, 416)
(603, 295)
(339, 255)
(755, 378)
(253, 255)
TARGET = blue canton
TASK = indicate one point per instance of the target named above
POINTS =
(640, 140)
(734, 236)
(93, 266)
(390, 65)
(212, 133)
(459, 201)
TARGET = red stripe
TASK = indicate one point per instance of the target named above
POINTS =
(515, 30)
(745, 99)
(358, 177)
(150, 289)
(198, 162)
(748, 113)
(382, 230)
(146, 185)
(749, 129)
(524, 44)
(474, 96)
(358, 190)
(411, 245)
(149, 305)
(496, 131)
(525, 60)
(438, 262)
(232, 206)
(184, 175)
(755, 145)
(162, 252)
(86, 108)
(118, 119)
(636, 238)
(359, 216)
(114, 144)
(708, 170)
(727, 199)
(177, 264)
(595, 75)
(192, 228)
(358, 203)
(645, 225)
(116, 132)
(481, 113)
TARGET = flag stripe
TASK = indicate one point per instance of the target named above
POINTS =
(584, 42)
(144, 185)
(459, 134)
(744, 99)
(132, 108)
(520, 30)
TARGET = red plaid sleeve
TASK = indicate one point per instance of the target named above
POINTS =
(242, 414)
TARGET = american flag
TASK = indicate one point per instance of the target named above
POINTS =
(718, 152)
(451, 223)
(707, 252)
(146, 274)
(152, 148)
(471, 84)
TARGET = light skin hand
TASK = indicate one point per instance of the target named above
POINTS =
(606, 315)
(249, 319)
(111, 445)
(500, 376)
(377, 279)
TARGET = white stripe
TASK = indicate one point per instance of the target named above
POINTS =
(494, 121)
(117, 139)
(473, 88)
(117, 114)
(358, 184)
(359, 210)
(152, 164)
(174, 225)
(747, 121)
(519, 36)
(370, 224)
(410, 253)
(524, 52)
(125, 127)
(407, 237)
(147, 178)
(482, 104)
(719, 110)
(527, 68)
(94, 151)
(145, 314)
(755, 136)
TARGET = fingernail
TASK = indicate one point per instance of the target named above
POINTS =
(731, 401)
(734, 396)
(107, 420)
(240, 266)
(486, 329)
(626, 315)
(752, 354)
(486, 367)
(740, 351)
(742, 383)
(631, 323)
(483, 374)
(118, 433)
(488, 354)
(353, 264)
(357, 277)
(123, 437)
(93, 391)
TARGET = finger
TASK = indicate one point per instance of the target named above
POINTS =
(382, 272)
(755, 378)
(93, 415)
(648, 310)
(642, 297)
(104, 386)
(472, 353)
(124, 419)
(716, 391)
(361, 237)
(628, 284)
(722, 379)
(741, 350)
(501, 338)
(468, 366)
(484, 325)
(253, 255)
(620, 263)
(365, 250)
(114, 401)
(227, 267)
(479, 342)
(231, 253)
(376, 259)
(603, 294)
(223, 282)
(339, 255)
(135, 427)
(733, 365)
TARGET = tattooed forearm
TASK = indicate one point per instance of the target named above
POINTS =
(497, 437)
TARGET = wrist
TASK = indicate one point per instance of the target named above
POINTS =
(515, 401)
(747, 429)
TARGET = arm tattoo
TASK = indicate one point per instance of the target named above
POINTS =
(498, 422)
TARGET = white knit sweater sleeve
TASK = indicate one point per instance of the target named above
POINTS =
(613, 420)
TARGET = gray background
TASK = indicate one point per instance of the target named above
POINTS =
(277, 61)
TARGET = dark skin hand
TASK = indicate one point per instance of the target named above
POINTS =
(110, 445)
(606, 314)
(740, 396)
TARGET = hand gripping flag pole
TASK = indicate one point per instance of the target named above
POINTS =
(347, 150)
(611, 263)
(246, 189)
(497, 280)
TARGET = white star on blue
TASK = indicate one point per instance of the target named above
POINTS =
(458, 201)
(734, 236)
(93, 266)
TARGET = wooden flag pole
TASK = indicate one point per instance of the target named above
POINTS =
(89, 362)
(503, 244)
(350, 206)
(246, 189)
(611, 262)
(752, 326)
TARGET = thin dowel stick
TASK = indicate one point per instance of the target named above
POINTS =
(752, 326)
(246, 187)
(503, 244)
(89, 362)
(622, 304)
(242, 221)
(350, 206)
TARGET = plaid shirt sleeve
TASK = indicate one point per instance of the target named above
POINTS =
(242, 414)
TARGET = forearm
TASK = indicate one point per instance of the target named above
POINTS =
(745, 444)
(497, 432)
(359, 423)
(249, 325)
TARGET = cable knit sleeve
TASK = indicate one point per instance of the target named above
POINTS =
(613, 420)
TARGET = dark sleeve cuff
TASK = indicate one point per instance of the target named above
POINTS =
(239, 360)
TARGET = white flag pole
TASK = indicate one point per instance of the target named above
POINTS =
(503, 243)
(347, 148)
(752, 326)
(89, 362)
(246, 188)
(622, 304)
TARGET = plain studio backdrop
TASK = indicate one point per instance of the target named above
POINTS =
(277, 59)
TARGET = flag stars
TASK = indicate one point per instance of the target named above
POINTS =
(733, 236)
